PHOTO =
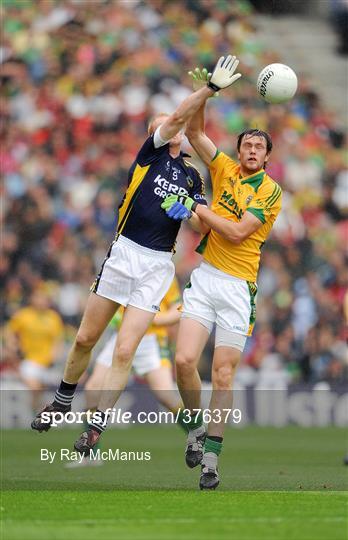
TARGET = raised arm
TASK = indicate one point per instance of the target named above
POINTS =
(222, 77)
(176, 121)
(195, 133)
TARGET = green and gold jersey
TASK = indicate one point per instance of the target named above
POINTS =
(234, 195)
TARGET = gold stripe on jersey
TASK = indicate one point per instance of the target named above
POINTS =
(138, 176)
(275, 199)
(188, 164)
(273, 192)
(275, 195)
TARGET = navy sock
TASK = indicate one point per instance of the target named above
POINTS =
(65, 394)
(99, 421)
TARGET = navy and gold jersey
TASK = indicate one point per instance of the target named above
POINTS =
(154, 175)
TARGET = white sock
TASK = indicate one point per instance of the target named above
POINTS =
(197, 432)
(210, 460)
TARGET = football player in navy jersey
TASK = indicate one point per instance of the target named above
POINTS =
(137, 270)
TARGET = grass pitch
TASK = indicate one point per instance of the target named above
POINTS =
(276, 484)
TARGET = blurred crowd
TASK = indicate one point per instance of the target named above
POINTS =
(80, 80)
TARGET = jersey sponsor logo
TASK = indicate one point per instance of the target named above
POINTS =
(228, 202)
(164, 187)
(198, 197)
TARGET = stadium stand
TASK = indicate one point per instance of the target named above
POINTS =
(79, 85)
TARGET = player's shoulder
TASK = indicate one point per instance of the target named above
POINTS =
(22, 315)
(270, 189)
(191, 167)
(223, 160)
(148, 153)
(26, 311)
(54, 314)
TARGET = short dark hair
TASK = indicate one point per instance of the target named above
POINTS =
(258, 133)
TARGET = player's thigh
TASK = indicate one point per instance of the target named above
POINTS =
(148, 356)
(192, 338)
(32, 374)
(104, 357)
(134, 325)
(97, 315)
(95, 381)
(33, 384)
(160, 379)
(235, 306)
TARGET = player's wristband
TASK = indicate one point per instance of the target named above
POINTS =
(213, 86)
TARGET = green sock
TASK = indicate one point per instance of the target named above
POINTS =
(196, 421)
(212, 446)
(182, 423)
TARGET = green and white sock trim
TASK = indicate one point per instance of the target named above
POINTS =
(196, 422)
(212, 446)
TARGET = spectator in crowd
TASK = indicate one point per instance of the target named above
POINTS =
(39, 331)
(79, 86)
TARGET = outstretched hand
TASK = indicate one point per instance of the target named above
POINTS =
(200, 77)
(223, 74)
(178, 206)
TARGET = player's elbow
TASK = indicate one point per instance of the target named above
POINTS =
(204, 229)
(193, 134)
(234, 240)
(177, 119)
(235, 237)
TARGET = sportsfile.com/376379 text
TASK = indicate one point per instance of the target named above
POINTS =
(117, 416)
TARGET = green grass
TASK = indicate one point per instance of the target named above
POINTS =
(286, 483)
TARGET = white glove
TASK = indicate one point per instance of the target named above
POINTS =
(222, 76)
(200, 78)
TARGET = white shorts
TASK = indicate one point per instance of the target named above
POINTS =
(146, 359)
(134, 275)
(214, 297)
(31, 370)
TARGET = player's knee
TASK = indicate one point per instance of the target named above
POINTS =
(123, 355)
(185, 363)
(222, 376)
(85, 340)
(33, 384)
(92, 385)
